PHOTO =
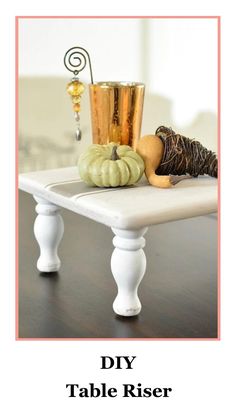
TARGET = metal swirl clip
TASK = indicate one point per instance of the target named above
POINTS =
(75, 60)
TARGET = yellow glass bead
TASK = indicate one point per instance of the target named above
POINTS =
(76, 107)
(76, 99)
(75, 88)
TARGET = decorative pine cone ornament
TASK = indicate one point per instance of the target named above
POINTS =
(170, 158)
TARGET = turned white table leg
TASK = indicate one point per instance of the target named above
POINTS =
(48, 230)
(128, 265)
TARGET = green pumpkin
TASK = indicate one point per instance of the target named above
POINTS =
(110, 165)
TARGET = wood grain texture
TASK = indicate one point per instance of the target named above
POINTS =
(178, 292)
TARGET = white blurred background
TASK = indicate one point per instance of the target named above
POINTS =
(175, 58)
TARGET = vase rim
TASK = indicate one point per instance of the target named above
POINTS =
(107, 84)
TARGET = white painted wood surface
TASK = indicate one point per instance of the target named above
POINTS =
(128, 265)
(48, 231)
(124, 208)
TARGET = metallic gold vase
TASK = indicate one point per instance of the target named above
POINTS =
(116, 112)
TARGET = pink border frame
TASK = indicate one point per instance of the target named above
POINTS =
(17, 18)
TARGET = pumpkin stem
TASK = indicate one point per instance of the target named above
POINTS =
(114, 155)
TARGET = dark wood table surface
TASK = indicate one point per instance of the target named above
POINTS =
(178, 292)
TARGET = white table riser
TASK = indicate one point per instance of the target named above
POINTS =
(128, 212)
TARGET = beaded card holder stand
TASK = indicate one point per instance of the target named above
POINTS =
(75, 60)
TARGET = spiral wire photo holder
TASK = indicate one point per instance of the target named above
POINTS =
(75, 60)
